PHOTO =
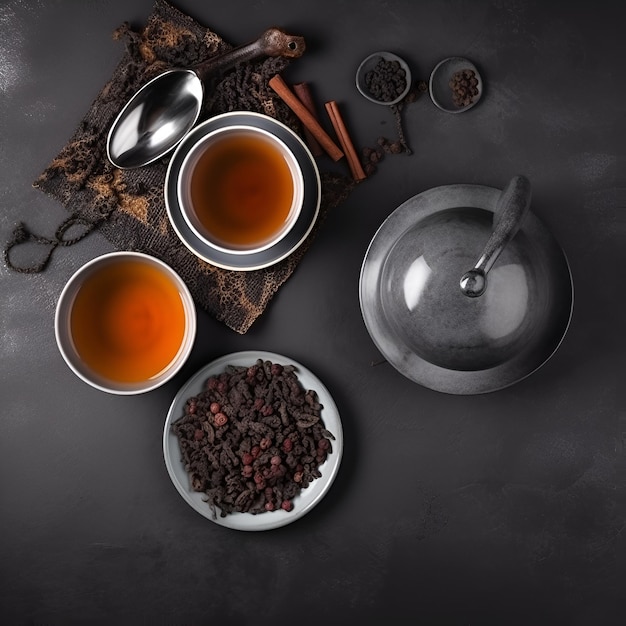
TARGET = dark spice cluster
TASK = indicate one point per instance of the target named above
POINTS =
(386, 81)
(372, 156)
(464, 85)
(253, 438)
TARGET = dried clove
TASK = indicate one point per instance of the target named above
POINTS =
(386, 81)
(464, 86)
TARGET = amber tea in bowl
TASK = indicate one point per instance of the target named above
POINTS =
(240, 189)
(125, 323)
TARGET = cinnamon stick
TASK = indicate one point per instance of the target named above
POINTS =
(305, 116)
(303, 92)
(346, 143)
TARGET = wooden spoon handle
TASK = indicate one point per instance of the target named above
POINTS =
(274, 42)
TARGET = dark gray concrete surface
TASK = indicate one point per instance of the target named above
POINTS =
(505, 508)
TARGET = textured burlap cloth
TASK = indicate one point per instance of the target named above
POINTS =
(128, 207)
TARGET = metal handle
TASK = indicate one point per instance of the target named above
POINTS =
(512, 206)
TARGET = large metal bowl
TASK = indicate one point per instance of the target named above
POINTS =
(428, 329)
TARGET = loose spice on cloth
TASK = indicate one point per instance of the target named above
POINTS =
(128, 207)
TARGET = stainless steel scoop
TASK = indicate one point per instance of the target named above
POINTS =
(513, 204)
(165, 109)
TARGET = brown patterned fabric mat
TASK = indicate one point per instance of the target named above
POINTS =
(128, 206)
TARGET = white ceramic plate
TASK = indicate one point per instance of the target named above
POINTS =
(307, 498)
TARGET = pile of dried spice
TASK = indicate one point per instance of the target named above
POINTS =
(386, 81)
(253, 438)
(464, 85)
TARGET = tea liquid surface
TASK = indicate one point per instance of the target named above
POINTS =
(242, 190)
(128, 321)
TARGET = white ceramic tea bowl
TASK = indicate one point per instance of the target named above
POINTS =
(247, 191)
(147, 323)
